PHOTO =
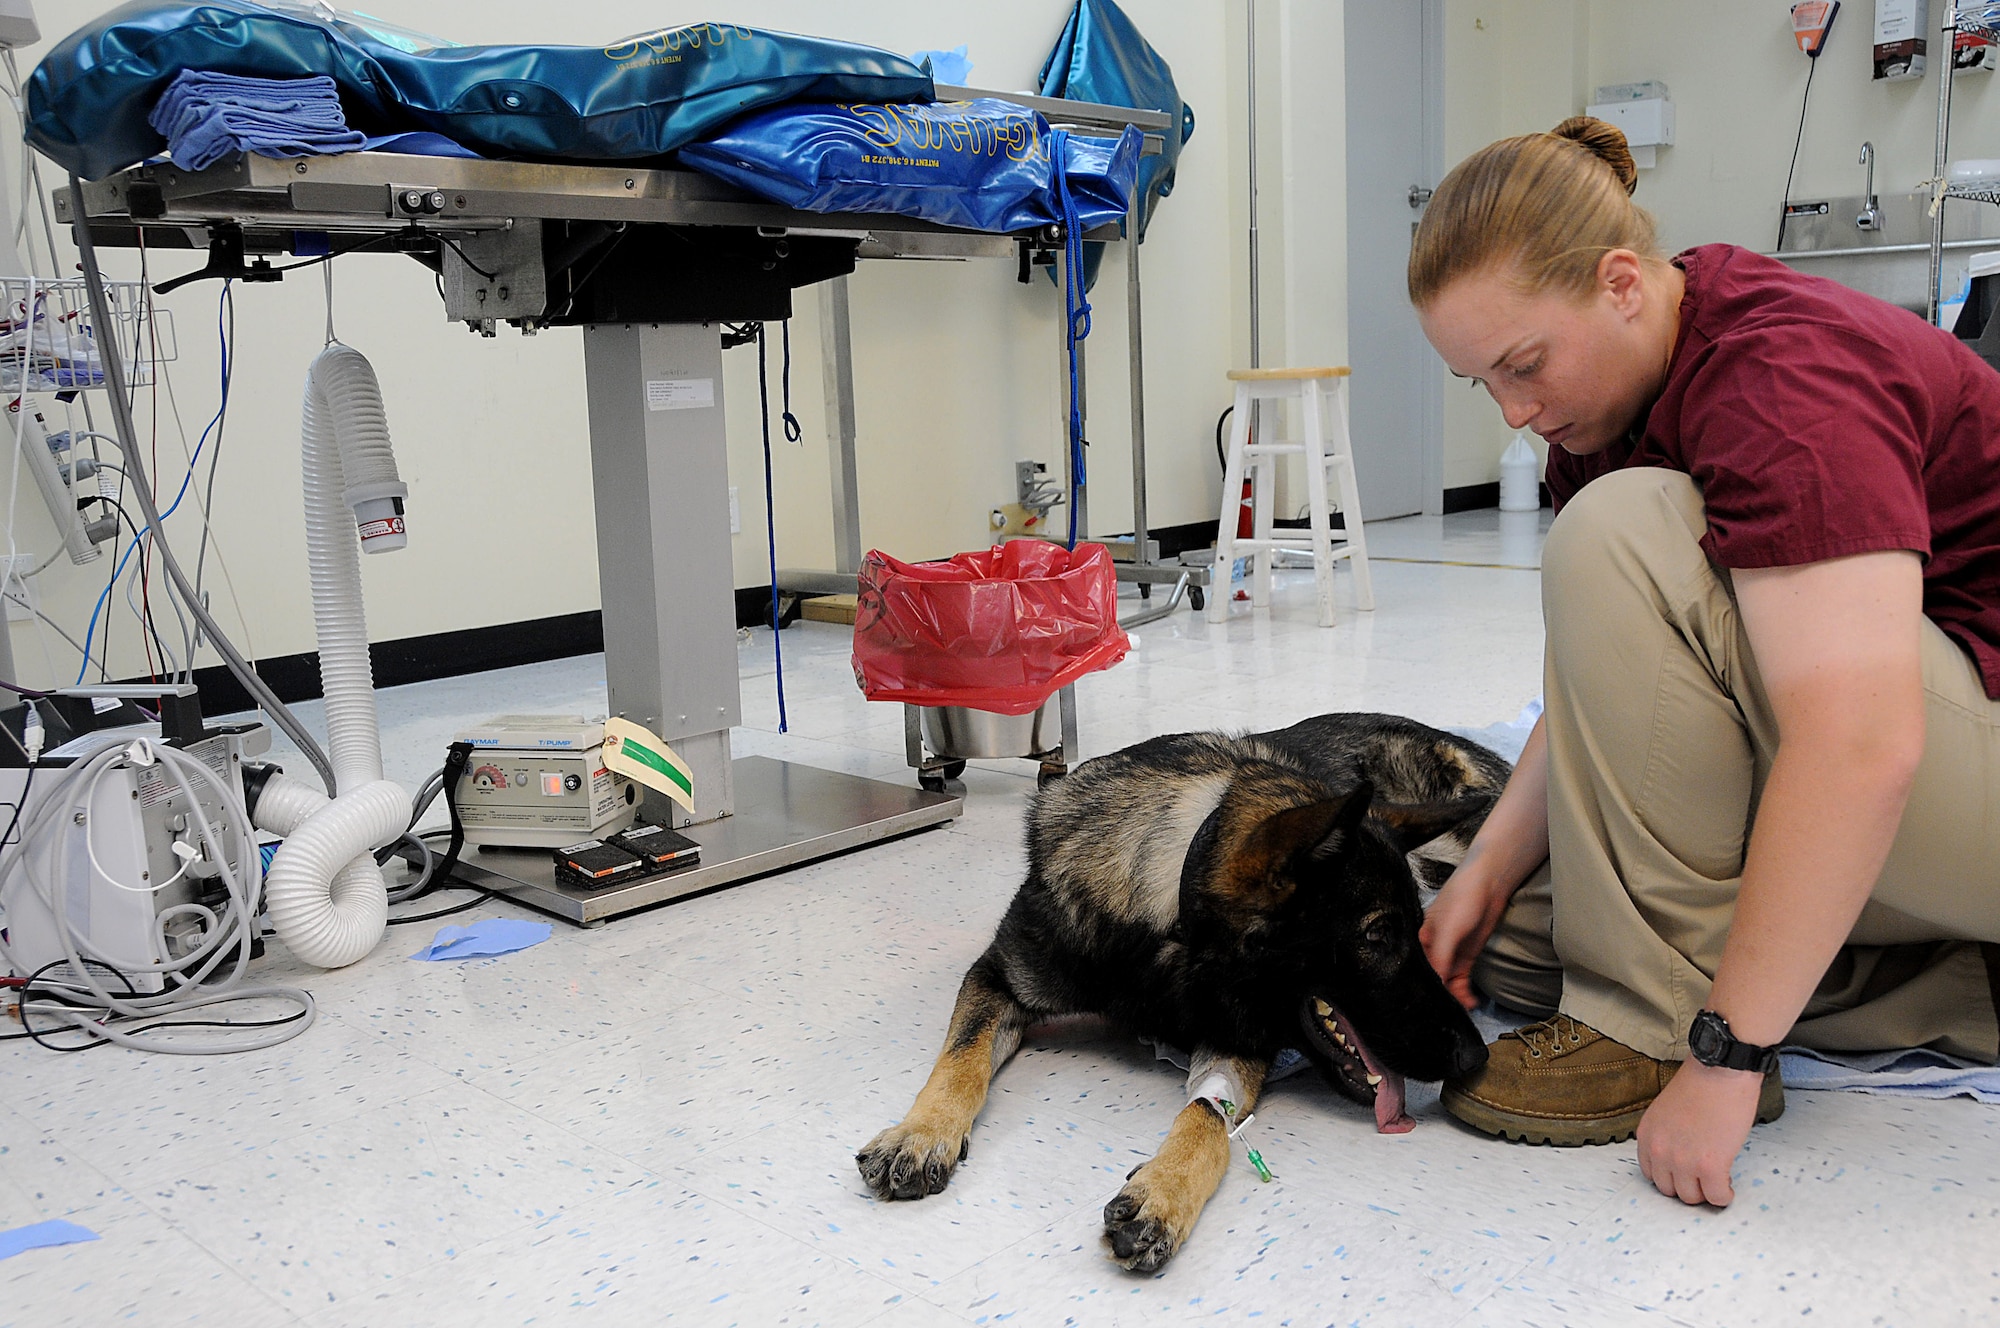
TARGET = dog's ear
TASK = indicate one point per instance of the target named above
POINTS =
(1318, 831)
(1412, 825)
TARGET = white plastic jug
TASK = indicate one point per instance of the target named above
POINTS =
(1520, 477)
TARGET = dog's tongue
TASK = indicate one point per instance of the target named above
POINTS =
(1390, 1118)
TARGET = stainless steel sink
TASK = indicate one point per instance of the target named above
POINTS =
(1891, 263)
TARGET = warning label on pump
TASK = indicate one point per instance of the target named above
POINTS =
(680, 393)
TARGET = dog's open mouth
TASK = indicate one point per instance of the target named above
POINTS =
(1357, 1071)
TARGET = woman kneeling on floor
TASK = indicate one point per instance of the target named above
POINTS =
(1763, 804)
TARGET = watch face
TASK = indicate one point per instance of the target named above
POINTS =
(1706, 1039)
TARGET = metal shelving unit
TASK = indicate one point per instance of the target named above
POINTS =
(1983, 19)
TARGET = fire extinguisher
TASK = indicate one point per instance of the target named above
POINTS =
(1246, 511)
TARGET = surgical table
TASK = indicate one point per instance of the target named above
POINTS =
(650, 263)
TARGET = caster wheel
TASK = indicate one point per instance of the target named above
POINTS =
(953, 769)
(1145, 591)
(1050, 774)
(1197, 598)
(931, 783)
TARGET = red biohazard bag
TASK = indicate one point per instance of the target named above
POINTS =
(999, 629)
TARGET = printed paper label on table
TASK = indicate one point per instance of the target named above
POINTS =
(680, 393)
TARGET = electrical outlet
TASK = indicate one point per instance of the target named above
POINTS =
(17, 589)
(735, 513)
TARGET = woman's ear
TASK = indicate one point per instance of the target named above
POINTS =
(1621, 278)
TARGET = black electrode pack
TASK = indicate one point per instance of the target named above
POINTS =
(629, 855)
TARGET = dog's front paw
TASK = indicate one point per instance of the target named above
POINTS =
(909, 1161)
(1142, 1239)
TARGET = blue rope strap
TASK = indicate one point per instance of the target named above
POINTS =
(770, 514)
(1076, 312)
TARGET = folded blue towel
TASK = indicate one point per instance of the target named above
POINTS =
(206, 117)
(1897, 1073)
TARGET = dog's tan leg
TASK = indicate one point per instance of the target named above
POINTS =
(1152, 1216)
(917, 1157)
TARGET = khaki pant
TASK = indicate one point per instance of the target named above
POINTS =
(1660, 739)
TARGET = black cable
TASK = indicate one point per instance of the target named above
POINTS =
(26, 784)
(1785, 204)
(354, 248)
(39, 1036)
(462, 258)
(483, 895)
(456, 758)
(1221, 456)
(793, 433)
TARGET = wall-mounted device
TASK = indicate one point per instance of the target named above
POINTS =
(1900, 38)
(1643, 112)
(17, 24)
(538, 781)
(1812, 21)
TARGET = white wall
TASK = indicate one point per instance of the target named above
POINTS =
(956, 365)
(1511, 67)
(1515, 66)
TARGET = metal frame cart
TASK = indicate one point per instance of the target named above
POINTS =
(649, 263)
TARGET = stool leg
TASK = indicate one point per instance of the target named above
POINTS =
(1265, 496)
(1232, 503)
(1322, 538)
(1350, 503)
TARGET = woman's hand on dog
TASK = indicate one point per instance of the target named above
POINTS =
(1457, 926)
(1690, 1136)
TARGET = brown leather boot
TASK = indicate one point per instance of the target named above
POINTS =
(1562, 1082)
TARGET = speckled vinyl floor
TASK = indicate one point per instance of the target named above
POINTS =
(654, 1123)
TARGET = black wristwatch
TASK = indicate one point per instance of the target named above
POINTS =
(1711, 1043)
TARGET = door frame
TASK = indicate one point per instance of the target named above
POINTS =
(1428, 170)
(1432, 375)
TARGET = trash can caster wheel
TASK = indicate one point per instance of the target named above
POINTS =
(953, 769)
(1197, 598)
(1050, 774)
(931, 783)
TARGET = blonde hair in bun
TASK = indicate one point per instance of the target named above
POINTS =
(1545, 207)
(1606, 141)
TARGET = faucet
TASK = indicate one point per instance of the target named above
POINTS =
(1871, 215)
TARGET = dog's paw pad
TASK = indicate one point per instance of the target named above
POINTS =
(908, 1162)
(1140, 1244)
(1122, 1209)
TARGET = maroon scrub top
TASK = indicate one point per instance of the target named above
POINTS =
(1819, 423)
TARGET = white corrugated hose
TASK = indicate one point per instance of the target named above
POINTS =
(326, 896)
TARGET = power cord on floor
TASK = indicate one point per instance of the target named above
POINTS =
(440, 879)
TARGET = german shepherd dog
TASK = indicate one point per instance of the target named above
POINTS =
(1233, 895)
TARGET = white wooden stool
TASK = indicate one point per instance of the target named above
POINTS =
(1322, 395)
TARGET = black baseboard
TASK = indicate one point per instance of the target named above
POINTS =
(417, 659)
(1472, 497)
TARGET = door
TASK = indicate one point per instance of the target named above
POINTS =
(1394, 147)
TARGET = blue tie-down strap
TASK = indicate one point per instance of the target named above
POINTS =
(634, 98)
(1101, 57)
(983, 165)
(1076, 315)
